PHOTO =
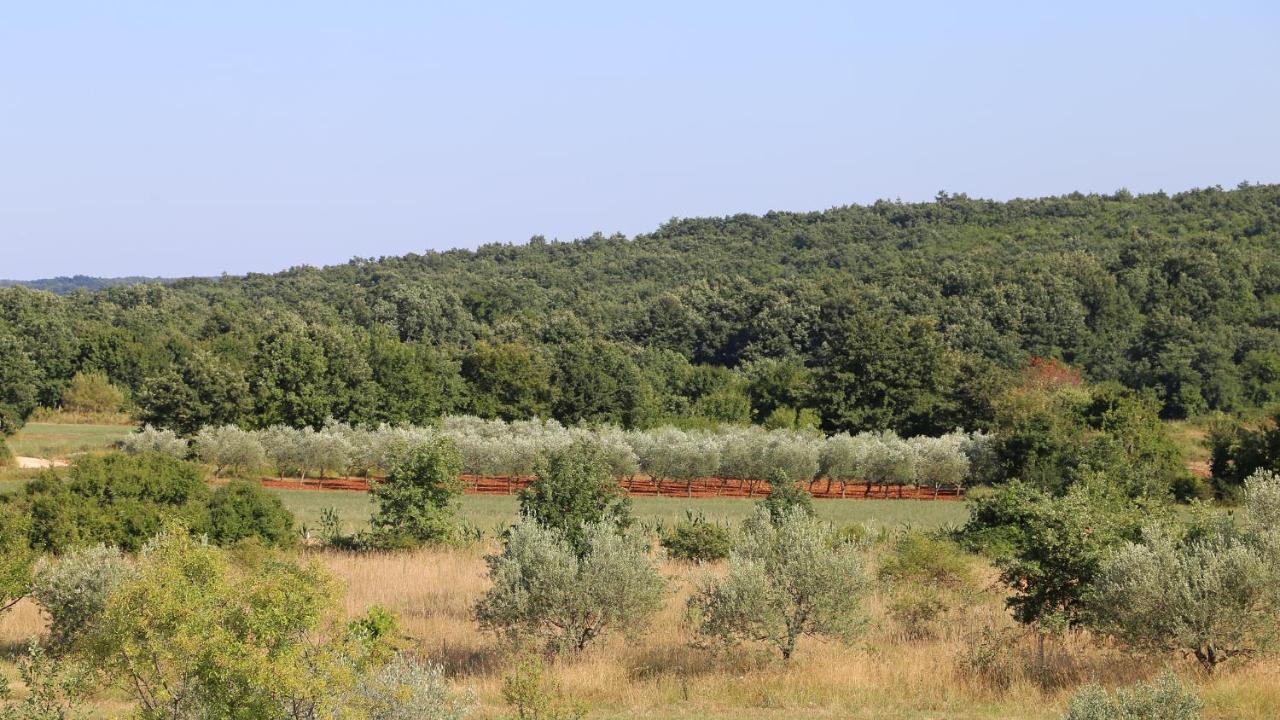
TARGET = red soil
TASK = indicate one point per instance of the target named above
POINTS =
(643, 485)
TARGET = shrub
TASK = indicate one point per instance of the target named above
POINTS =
(198, 632)
(242, 509)
(697, 539)
(574, 488)
(119, 500)
(533, 697)
(149, 440)
(6, 455)
(15, 555)
(785, 495)
(54, 690)
(409, 689)
(418, 501)
(74, 589)
(918, 558)
(916, 610)
(92, 392)
(545, 590)
(229, 448)
(785, 580)
(1163, 699)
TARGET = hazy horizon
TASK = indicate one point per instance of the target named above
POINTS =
(146, 139)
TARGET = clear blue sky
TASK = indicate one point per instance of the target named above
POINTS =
(178, 138)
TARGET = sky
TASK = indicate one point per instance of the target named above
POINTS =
(197, 138)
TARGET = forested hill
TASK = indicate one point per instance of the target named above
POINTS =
(904, 315)
(64, 285)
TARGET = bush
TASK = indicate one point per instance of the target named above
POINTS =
(118, 500)
(785, 580)
(242, 509)
(92, 392)
(545, 589)
(533, 697)
(74, 589)
(53, 690)
(409, 689)
(697, 539)
(919, 558)
(917, 610)
(198, 632)
(15, 555)
(149, 440)
(1214, 595)
(6, 455)
(1163, 699)
(418, 501)
(229, 448)
(784, 496)
(575, 488)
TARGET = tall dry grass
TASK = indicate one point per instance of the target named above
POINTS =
(972, 663)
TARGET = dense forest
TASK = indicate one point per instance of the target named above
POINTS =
(909, 316)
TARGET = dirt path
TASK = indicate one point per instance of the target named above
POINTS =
(30, 463)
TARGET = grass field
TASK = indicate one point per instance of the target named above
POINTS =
(60, 440)
(488, 512)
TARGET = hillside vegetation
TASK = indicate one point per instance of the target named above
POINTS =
(903, 316)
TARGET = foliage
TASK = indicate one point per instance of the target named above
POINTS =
(1165, 698)
(201, 633)
(19, 374)
(229, 448)
(544, 589)
(92, 392)
(118, 499)
(242, 510)
(697, 539)
(1214, 595)
(73, 589)
(574, 489)
(417, 503)
(533, 697)
(1238, 450)
(784, 497)
(54, 689)
(16, 557)
(158, 441)
(919, 558)
(784, 580)
(407, 688)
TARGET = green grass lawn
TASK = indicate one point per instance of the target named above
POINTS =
(493, 511)
(58, 440)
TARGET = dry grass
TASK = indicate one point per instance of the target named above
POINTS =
(657, 674)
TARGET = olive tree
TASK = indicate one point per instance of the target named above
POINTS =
(545, 590)
(1162, 699)
(229, 448)
(74, 588)
(939, 462)
(1214, 595)
(155, 440)
(283, 446)
(842, 460)
(785, 579)
(889, 460)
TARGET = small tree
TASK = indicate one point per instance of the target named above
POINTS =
(243, 509)
(785, 580)
(1214, 596)
(418, 501)
(229, 448)
(409, 689)
(92, 392)
(545, 590)
(784, 495)
(16, 556)
(153, 440)
(74, 588)
(574, 487)
(697, 539)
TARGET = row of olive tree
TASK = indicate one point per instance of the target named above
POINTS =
(494, 448)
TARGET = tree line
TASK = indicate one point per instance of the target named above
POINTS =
(893, 316)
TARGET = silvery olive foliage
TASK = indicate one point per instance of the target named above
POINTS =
(786, 579)
(1164, 698)
(74, 588)
(154, 440)
(494, 448)
(407, 688)
(1213, 595)
(229, 448)
(545, 591)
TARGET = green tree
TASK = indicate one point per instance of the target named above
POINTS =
(418, 501)
(785, 580)
(92, 392)
(596, 382)
(16, 556)
(19, 377)
(241, 510)
(574, 487)
(508, 381)
(199, 389)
